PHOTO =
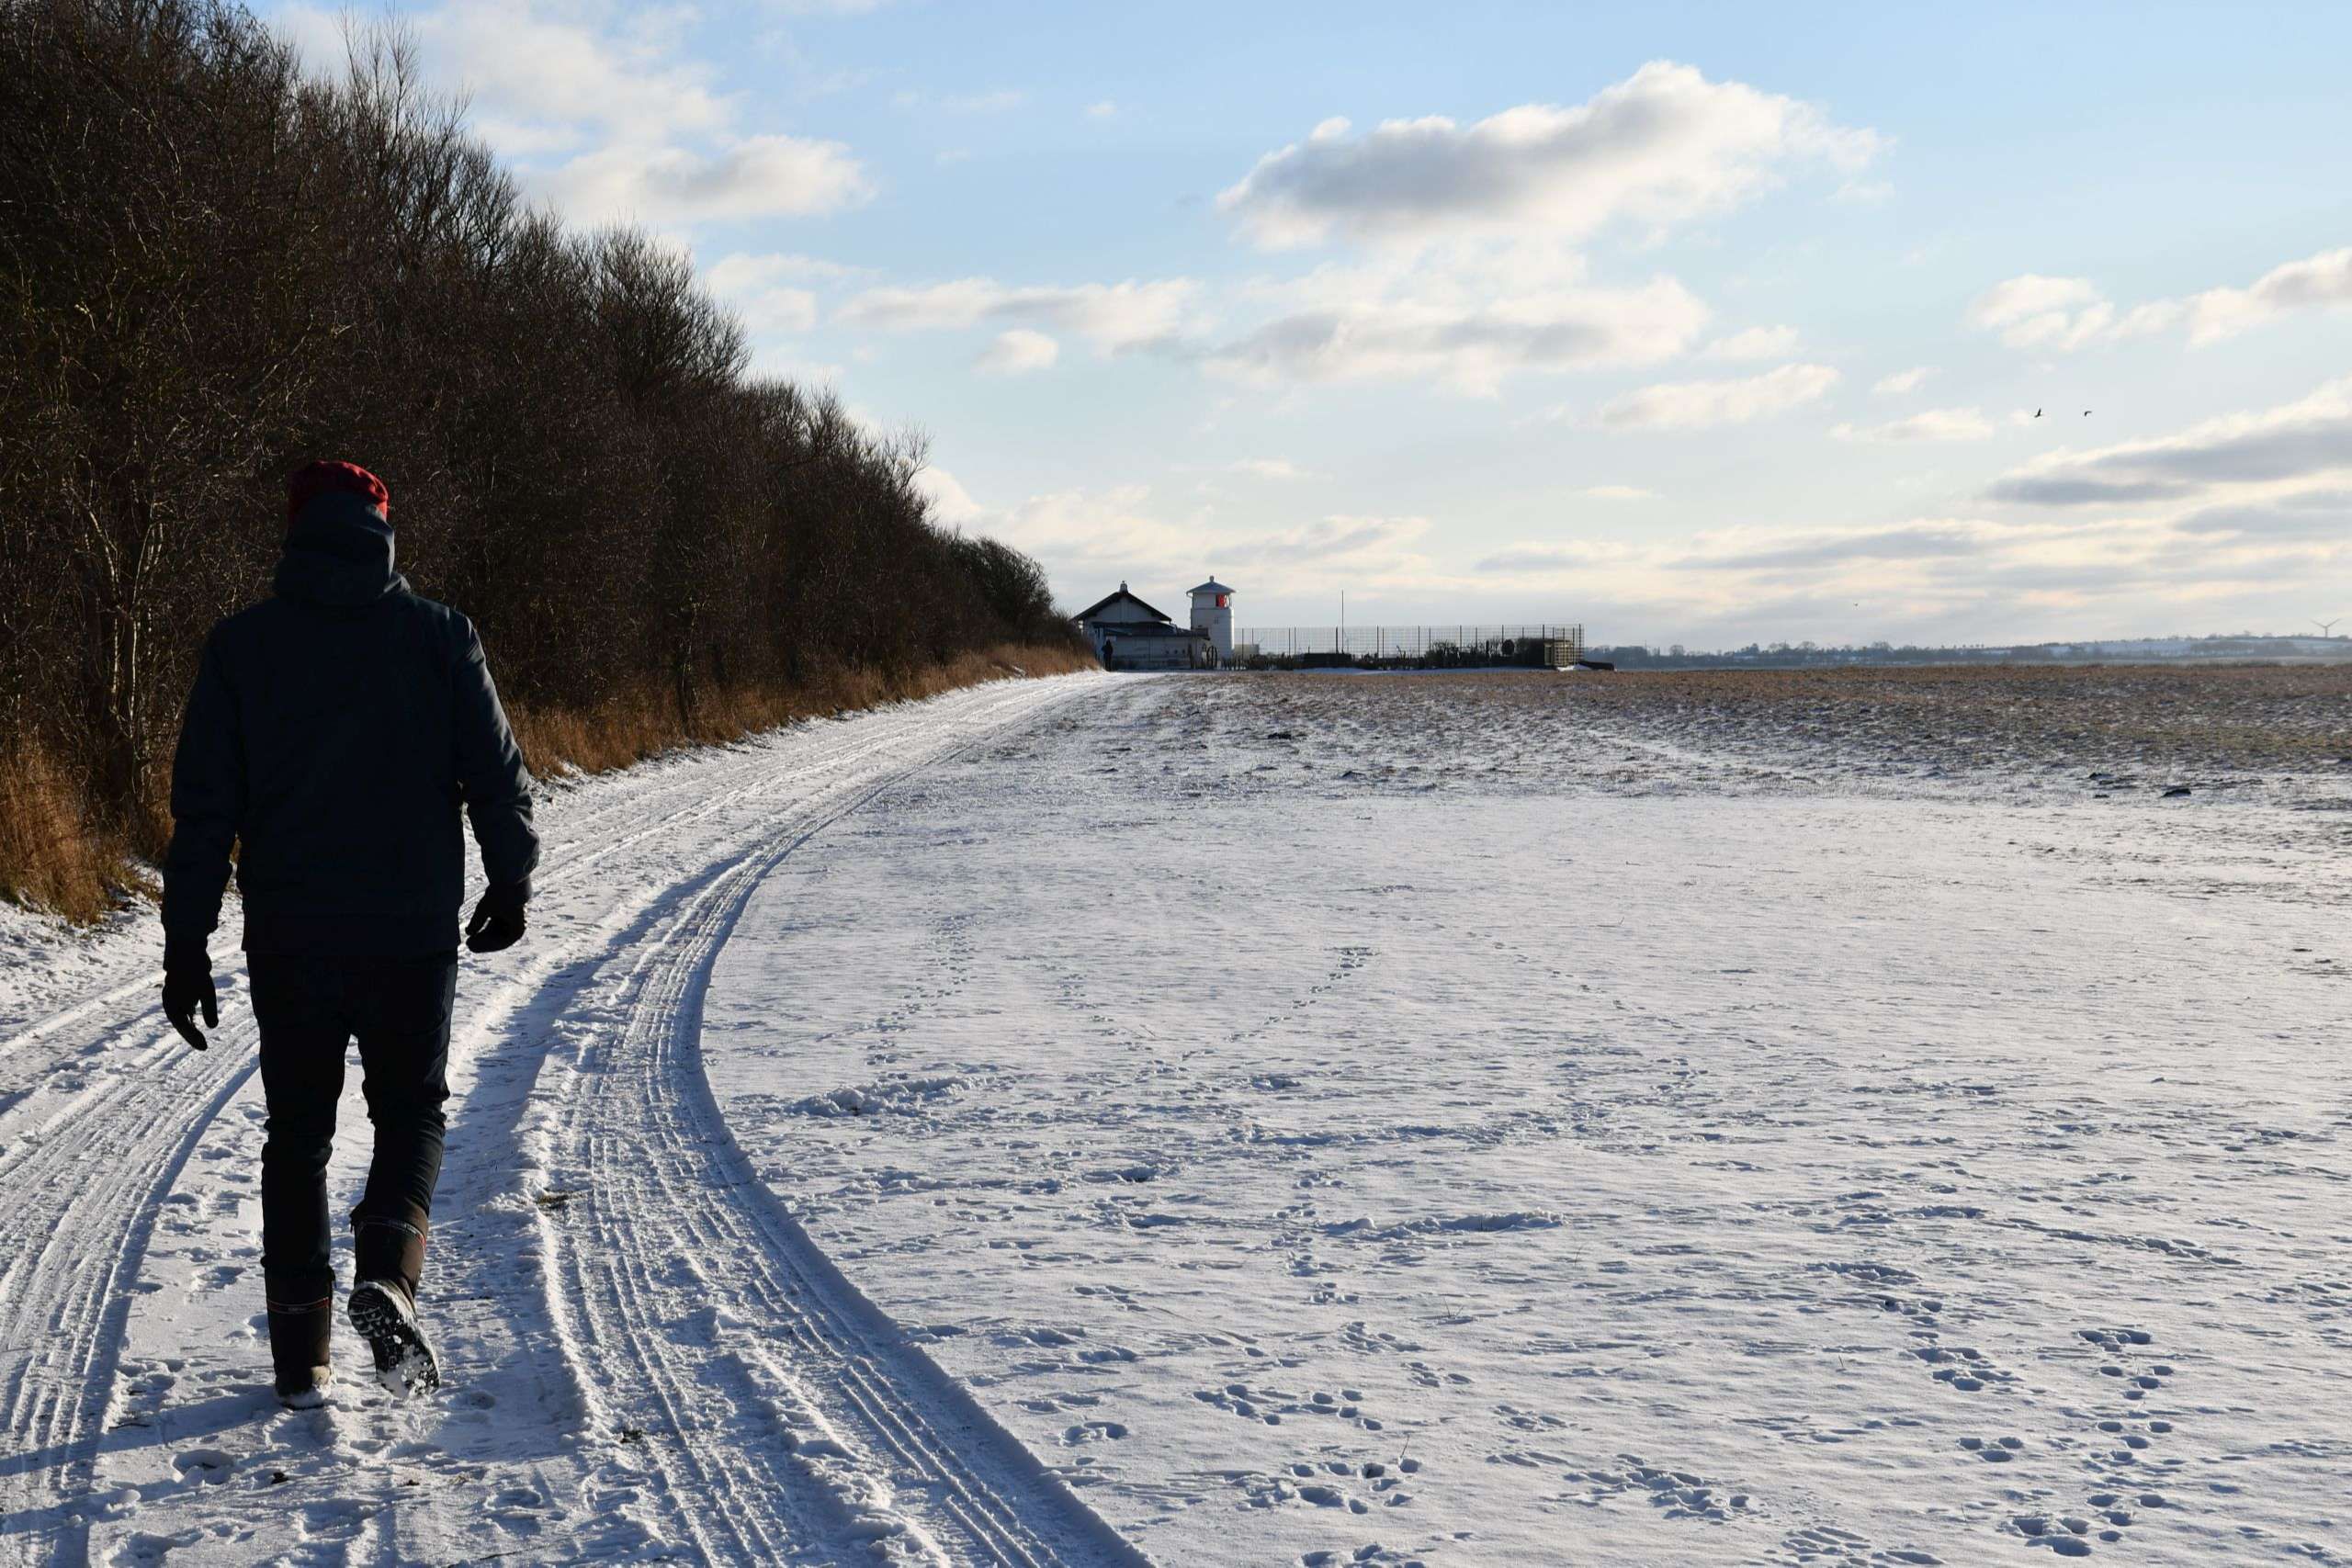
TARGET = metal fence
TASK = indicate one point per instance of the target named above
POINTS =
(1405, 645)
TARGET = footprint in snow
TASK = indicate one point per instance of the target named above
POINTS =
(1093, 1432)
(146, 1547)
(212, 1466)
(1678, 1494)
(1826, 1543)
(2062, 1535)
(1371, 1551)
(1271, 1405)
(2118, 1504)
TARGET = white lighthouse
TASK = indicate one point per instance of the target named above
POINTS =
(1212, 613)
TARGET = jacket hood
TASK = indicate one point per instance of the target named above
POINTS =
(338, 552)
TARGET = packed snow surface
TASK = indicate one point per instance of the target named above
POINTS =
(1231, 1120)
(644, 1358)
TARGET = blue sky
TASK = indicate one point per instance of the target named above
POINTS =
(1694, 323)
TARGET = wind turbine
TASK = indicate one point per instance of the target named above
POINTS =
(2327, 628)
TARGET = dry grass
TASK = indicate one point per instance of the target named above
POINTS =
(55, 857)
(646, 722)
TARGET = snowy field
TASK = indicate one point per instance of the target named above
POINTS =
(1556, 1146)
(1264, 1120)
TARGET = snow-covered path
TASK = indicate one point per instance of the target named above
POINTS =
(621, 1385)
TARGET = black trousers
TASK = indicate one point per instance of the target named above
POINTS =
(310, 1009)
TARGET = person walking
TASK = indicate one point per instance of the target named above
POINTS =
(335, 733)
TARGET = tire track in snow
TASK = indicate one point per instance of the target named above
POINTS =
(788, 1417)
(86, 1179)
(64, 1294)
(90, 1156)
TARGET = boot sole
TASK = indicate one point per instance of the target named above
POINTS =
(404, 1358)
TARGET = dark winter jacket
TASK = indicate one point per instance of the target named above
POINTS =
(333, 734)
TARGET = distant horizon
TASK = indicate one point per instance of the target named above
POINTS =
(2103, 641)
(1244, 622)
(1593, 640)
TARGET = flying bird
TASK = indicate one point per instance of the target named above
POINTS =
(2037, 413)
(2087, 413)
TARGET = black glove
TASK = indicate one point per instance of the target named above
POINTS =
(188, 986)
(498, 918)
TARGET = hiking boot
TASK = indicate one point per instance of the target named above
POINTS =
(301, 1325)
(386, 1318)
(390, 1253)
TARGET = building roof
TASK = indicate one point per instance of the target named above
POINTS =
(1128, 631)
(1105, 602)
(1211, 586)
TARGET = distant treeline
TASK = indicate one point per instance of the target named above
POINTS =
(1804, 655)
(213, 268)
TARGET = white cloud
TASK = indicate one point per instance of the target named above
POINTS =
(530, 65)
(2255, 513)
(1939, 578)
(2034, 312)
(1927, 424)
(1017, 352)
(1268, 468)
(607, 116)
(2027, 297)
(1465, 333)
(743, 270)
(2067, 313)
(760, 176)
(755, 286)
(1091, 539)
(1755, 342)
(1088, 540)
(1331, 549)
(950, 502)
(1902, 382)
(1664, 145)
(1942, 578)
(772, 310)
(1104, 110)
(1617, 493)
(1114, 317)
(2270, 453)
(317, 34)
(2319, 282)
(1698, 405)
(523, 139)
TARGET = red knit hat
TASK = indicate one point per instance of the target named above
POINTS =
(313, 480)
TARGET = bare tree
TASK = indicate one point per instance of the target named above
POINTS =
(213, 268)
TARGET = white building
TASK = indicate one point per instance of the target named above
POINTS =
(1128, 634)
(1212, 613)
